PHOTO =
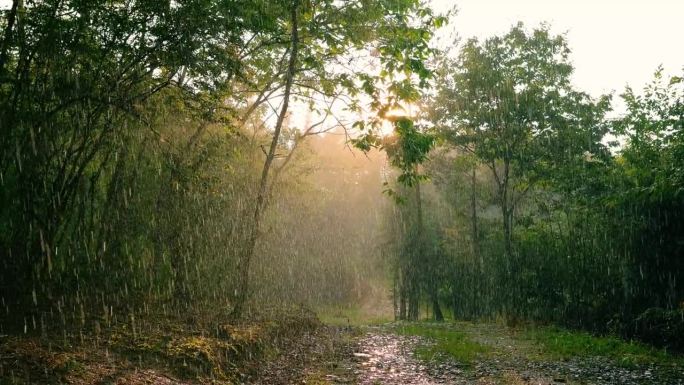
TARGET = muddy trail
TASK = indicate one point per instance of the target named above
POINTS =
(387, 356)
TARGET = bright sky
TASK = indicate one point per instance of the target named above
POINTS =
(613, 42)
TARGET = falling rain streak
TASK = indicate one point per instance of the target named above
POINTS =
(222, 191)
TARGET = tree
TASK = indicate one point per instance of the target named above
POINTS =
(325, 39)
(76, 78)
(509, 101)
(83, 85)
(646, 193)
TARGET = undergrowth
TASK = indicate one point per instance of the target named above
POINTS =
(213, 349)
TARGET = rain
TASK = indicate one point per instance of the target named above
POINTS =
(340, 192)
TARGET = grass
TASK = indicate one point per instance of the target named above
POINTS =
(446, 342)
(557, 343)
(352, 316)
(543, 343)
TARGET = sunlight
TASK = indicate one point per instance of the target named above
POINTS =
(397, 113)
(394, 114)
(387, 129)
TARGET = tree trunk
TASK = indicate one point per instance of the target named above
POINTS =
(395, 296)
(473, 217)
(402, 296)
(402, 306)
(413, 304)
(437, 314)
(454, 302)
(247, 253)
(507, 229)
(477, 286)
(506, 209)
(507, 217)
(416, 254)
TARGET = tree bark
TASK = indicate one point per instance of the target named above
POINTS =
(413, 303)
(506, 211)
(437, 314)
(402, 297)
(477, 284)
(473, 217)
(417, 253)
(507, 225)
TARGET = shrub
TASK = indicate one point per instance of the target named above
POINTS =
(661, 327)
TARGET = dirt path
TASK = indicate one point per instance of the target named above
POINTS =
(382, 357)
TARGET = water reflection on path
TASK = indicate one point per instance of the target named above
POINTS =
(388, 359)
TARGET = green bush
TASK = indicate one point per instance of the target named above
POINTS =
(661, 327)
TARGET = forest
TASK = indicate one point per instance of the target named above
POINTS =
(191, 191)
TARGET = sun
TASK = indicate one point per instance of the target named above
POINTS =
(394, 114)
(387, 128)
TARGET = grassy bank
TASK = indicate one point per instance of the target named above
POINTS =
(156, 348)
(562, 344)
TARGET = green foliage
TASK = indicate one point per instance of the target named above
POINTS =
(661, 327)
(536, 216)
(510, 100)
(410, 149)
(404, 51)
(132, 134)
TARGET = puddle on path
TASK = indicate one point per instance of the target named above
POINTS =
(388, 359)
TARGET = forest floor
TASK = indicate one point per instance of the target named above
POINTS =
(301, 350)
(284, 347)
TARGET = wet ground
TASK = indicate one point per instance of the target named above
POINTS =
(382, 357)
(385, 358)
(333, 355)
